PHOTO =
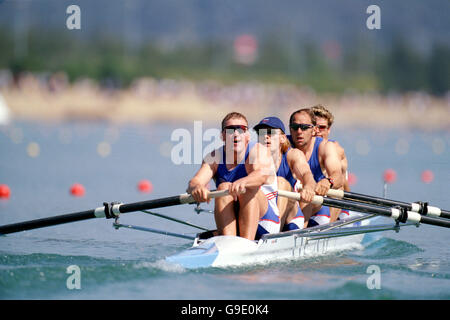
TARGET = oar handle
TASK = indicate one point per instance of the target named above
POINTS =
(318, 200)
(183, 198)
(335, 193)
(188, 198)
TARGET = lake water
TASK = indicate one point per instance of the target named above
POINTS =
(40, 162)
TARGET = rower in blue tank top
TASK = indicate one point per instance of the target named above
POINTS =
(270, 222)
(314, 163)
(251, 185)
(323, 215)
(285, 171)
(322, 156)
(324, 120)
(225, 175)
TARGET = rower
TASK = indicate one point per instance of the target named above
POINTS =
(324, 121)
(245, 169)
(291, 167)
(322, 156)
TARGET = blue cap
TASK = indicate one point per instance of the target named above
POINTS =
(272, 122)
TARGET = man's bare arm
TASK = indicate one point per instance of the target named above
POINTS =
(197, 185)
(297, 162)
(330, 158)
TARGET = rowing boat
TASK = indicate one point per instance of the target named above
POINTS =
(231, 251)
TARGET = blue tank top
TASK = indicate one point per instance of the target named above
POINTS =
(314, 163)
(225, 175)
(285, 171)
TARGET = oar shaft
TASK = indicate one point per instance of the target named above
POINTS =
(100, 212)
(46, 222)
(151, 204)
(416, 207)
(388, 212)
(368, 208)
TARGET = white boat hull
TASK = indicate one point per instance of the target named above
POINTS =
(226, 251)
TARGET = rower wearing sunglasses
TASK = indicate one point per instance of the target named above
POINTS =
(322, 156)
(324, 121)
(245, 169)
(291, 167)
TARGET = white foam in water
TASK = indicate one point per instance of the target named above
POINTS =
(162, 265)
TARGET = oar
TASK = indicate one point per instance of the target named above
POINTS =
(108, 210)
(401, 215)
(421, 207)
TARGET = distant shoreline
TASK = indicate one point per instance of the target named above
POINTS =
(148, 101)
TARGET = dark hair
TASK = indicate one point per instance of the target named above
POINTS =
(308, 111)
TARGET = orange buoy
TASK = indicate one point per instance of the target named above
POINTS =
(352, 179)
(77, 190)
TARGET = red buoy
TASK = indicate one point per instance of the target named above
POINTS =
(5, 192)
(390, 176)
(145, 186)
(427, 176)
(77, 190)
(352, 179)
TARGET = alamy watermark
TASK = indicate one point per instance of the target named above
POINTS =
(74, 280)
(374, 280)
(374, 20)
(74, 19)
(189, 149)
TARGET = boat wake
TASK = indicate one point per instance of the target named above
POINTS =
(386, 248)
(161, 264)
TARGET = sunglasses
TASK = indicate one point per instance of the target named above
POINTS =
(231, 129)
(322, 127)
(302, 126)
(268, 131)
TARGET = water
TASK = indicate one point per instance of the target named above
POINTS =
(126, 264)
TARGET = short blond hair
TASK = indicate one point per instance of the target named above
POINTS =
(233, 115)
(322, 112)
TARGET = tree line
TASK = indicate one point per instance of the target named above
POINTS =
(359, 65)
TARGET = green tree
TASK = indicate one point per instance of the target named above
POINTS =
(439, 70)
(403, 69)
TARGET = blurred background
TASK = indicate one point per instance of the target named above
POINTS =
(137, 60)
(108, 96)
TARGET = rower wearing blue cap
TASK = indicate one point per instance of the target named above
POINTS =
(291, 167)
